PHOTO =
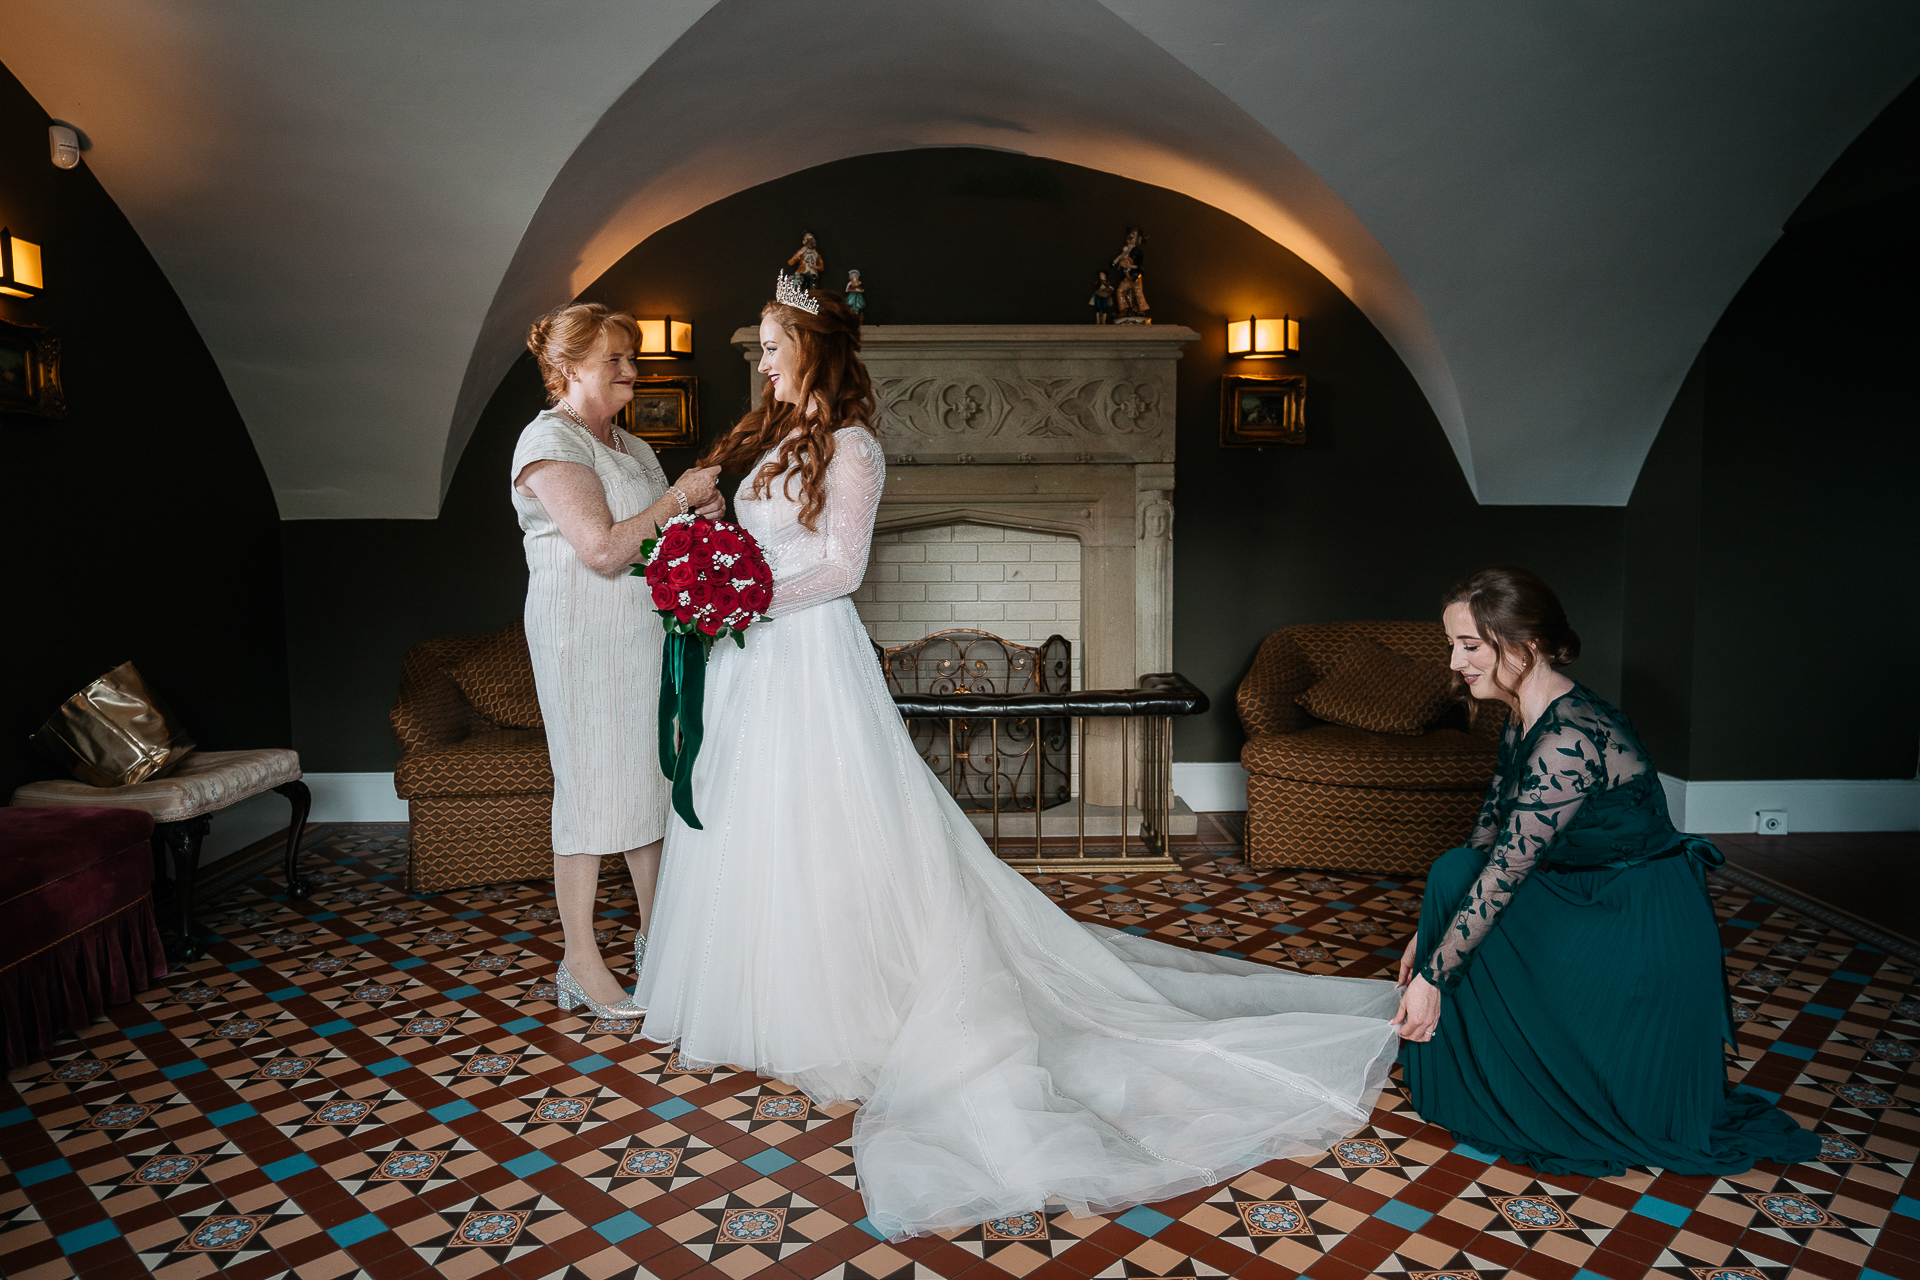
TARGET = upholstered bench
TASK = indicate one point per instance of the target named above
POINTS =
(77, 928)
(181, 804)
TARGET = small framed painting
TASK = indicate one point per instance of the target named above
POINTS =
(30, 371)
(665, 412)
(1263, 409)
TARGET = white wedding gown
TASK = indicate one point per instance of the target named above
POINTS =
(839, 925)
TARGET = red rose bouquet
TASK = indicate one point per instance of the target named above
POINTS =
(709, 581)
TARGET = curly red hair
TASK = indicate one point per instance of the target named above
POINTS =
(832, 377)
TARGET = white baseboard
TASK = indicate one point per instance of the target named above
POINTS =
(1212, 786)
(1838, 804)
(355, 797)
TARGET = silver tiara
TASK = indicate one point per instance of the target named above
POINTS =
(789, 292)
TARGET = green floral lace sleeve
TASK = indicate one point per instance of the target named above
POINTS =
(1486, 828)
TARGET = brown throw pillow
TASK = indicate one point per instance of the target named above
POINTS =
(1372, 687)
(497, 679)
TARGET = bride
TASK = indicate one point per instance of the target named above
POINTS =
(839, 925)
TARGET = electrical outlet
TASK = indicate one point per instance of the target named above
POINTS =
(1770, 822)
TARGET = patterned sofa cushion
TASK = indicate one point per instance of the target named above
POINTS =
(493, 762)
(1336, 756)
(1372, 687)
(496, 677)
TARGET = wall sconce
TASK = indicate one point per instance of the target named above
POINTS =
(665, 339)
(1256, 339)
(20, 275)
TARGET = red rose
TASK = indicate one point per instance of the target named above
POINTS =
(762, 574)
(756, 598)
(701, 558)
(701, 593)
(684, 613)
(682, 576)
(725, 601)
(664, 596)
(709, 625)
(675, 541)
(727, 542)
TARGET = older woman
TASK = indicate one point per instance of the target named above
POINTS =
(587, 495)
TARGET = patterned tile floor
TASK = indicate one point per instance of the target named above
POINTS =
(375, 1085)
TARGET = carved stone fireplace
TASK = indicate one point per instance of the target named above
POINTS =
(1061, 429)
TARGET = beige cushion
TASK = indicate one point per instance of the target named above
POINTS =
(204, 782)
(1374, 688)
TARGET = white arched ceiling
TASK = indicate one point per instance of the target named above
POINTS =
(1544, 208)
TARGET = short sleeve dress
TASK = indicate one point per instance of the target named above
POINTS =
(595, 642)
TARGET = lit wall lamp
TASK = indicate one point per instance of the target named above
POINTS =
(20, 275)
(666, 339)
(1256, 339)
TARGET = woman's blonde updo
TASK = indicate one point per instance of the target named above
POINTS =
(565, 336)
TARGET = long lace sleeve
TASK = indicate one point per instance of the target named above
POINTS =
(1486, 828)
(855, 479)
(1561, 769)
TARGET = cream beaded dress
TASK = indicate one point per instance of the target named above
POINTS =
(595, 642)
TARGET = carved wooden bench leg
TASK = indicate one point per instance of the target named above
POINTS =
(302, 801)
(183, 840)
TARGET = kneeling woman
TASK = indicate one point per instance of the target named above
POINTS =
(1564, 1004)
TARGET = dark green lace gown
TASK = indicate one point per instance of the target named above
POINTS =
(1584, 1008)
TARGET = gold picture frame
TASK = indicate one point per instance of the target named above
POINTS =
(665, 412)
(30, 371)
(1258, 409)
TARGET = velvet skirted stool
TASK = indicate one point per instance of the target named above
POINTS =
(78, 933)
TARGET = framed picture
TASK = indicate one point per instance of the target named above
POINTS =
(665, 412)
(1262, 409)
(30, 371)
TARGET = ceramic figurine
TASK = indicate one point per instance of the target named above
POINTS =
(856, 294)
(1131, 264)
(1102, 300)
(807, 262)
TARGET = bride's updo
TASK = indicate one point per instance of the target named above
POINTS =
(832, 376)
(565, 336)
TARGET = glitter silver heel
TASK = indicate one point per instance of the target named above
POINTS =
(639, 951)
(572, 997)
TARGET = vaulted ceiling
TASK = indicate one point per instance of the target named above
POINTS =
(1543, 207)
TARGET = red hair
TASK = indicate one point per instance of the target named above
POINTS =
(832, 378)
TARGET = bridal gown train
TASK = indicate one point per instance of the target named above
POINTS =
(839, 925)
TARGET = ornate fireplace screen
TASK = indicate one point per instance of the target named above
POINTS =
(1029, 757)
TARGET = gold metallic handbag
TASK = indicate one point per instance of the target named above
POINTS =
(114, 732)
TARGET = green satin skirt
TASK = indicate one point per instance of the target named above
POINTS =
(1587, 1033)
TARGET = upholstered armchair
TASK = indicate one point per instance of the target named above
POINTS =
(1336, 798)
(473, 762)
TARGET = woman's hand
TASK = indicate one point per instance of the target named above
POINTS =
(1419, 1011)
(697, 484)
(1406, 961)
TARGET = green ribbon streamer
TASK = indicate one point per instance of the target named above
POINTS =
(683, 687)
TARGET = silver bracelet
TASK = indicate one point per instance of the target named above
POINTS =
(680, 498)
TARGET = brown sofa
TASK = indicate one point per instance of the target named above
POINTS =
(477, 783)
(1332, 798)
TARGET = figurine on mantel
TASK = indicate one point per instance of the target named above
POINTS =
(1102, 300)
(1131, 263)
(856, 295)
(807, 262)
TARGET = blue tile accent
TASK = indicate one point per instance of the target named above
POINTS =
(461, 993)
(530, 1163)
(866, 1225)
(1768, 1094)
(1193, 906)
(390, 1066)
(412, 963)
(768, 1162)
(1871, 1274)
(1140, 931)
(1148, 1222)
(1386, 884)
(467, 915)
(1661, 1211)
(291, 1165)
(41, 1172)
(522, 936)
(325, 915)
(285, 994)
(364, 937)
(1584, 1274)
(621, 1225)
(1286, 928)
(1342, 906)
(1743, 924)
(231, 1115)
(672, 1108)
(144, 1029)
(520, 1024)
(1907, 1205)
(86, 1237)
(453, 1110)
(1792, 1050)
(241, 966)
(1391, 953)
(179, 1069)
(614, 913)
(1474, 1153)
(1235, 954)
(333, 1028)
(365, 1227)
(1113, 888)
(1823, 1011)
(19, 1115)
(1402, 1214)
(594, 1062)
(1873, 950)
(383, 879)
(1841, 975)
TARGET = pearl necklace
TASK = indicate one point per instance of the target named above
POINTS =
(612, 441)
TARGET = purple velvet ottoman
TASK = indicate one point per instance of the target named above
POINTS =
(77, 928)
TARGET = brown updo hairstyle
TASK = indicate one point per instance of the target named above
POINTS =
(1514, 610)
(832, 376)
(566, 336)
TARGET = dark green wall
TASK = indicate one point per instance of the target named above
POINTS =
(141, 526)
(1371, 519)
